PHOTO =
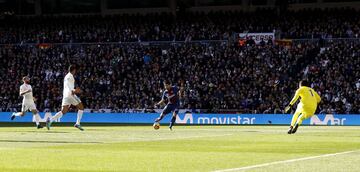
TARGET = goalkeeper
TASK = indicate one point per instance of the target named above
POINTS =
(309, 100)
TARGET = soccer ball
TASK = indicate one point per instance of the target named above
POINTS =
(156, 125)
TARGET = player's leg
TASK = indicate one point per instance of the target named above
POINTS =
(80, 108)
(166, 110)
(64, 110)
(294, 119)
(162, 115)
(17, 114)
(298, 123)
(21, 114)
(173, 119)
(66, 103)
(24, 108)
(37, 118)
(304, 115)
(59, 114)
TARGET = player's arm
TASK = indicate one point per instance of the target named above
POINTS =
(71, 87)
(294, 99)
(68, 85)
(76, 90)
(162, 101)
(22, 91)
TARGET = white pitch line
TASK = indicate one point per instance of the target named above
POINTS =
(285, 161)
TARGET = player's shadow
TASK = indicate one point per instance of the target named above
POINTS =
(250, 131)
(41, 141)
(41, 132)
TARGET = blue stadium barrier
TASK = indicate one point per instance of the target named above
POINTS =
(188, 118)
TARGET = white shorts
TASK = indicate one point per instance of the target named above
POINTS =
(28, 106)
(71, 100)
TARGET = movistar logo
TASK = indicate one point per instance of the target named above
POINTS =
(328, 120)
(188, 119)
(46, 116)
(226, 120)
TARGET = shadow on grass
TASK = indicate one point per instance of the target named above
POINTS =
(41, 141)
(251, 131)
(40, 131)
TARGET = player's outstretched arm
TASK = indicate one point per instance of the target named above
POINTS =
(287, 108)
(295, 98)
(292, 102)
(161, 102)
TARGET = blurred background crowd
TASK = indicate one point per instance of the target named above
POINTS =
(119, 71)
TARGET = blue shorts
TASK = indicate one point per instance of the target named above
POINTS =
(170, 108)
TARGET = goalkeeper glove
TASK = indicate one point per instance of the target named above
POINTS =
(287, 108)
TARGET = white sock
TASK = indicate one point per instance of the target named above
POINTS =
(37, 119)
(79, 116)
(56, 116)
(18, 114)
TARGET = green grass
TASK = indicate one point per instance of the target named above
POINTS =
(187, 148)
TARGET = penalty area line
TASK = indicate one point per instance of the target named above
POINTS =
(284, 162)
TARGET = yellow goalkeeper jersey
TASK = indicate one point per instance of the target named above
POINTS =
(309, 99)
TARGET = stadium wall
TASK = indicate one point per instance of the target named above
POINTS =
(196, 119)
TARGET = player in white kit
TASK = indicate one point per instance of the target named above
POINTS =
(69, 98)
(28, 103)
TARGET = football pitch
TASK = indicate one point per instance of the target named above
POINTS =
(186, 149)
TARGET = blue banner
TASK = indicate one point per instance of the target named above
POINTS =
(188, 118)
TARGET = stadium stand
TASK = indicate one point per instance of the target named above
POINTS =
(126, 70)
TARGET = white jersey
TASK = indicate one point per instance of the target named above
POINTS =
(28, 97)
(68, 97)
(69, 84)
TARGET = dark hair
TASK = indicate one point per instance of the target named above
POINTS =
(25, 78)
(305, 83)
(72, 68)
(167, 82)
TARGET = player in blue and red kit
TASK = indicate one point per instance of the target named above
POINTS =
(172, 94)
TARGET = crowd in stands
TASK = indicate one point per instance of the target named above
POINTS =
(331, 23)
(222, 75)
(249, 78)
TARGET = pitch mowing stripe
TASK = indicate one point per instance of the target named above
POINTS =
(173, 138)
(285, 161)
